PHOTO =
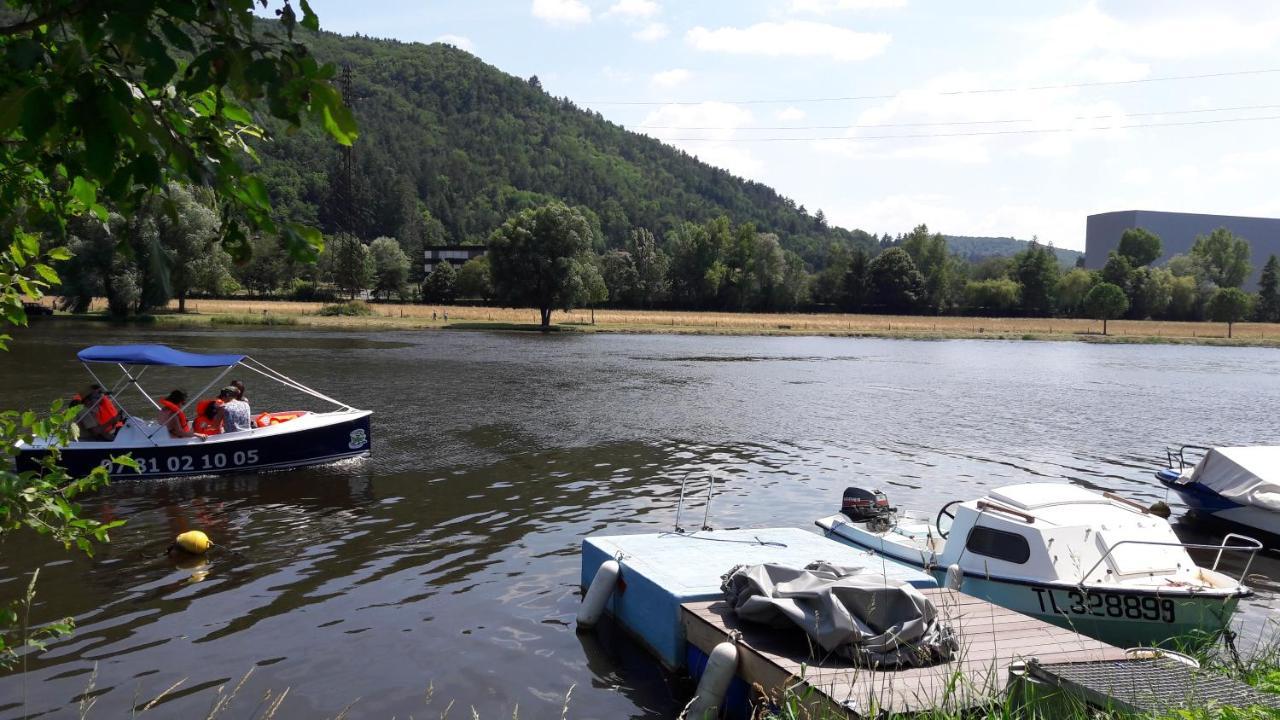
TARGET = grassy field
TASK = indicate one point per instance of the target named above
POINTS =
(389, 316)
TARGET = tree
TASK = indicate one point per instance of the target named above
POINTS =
(390, 267)
(110, 103)
(349, 264)
(266, 270)
(441, 284)
(97, 115)
(538, 259)
(1118, 271)
(1104, 302)
(1229, 305)
(698, 269)
(619, 275)
(1268, 309)
(473, 279)
(1225, 256)
(992, 297)
(1156, 291)
(1139, 246)
(894, 282)
(1036, 270)
(1073, 286)
(929, 253)
(652, 266)
(187, 231)
(856, 281)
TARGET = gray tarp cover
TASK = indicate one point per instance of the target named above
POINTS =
(849, 611)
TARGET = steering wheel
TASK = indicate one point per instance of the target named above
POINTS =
(946, 512)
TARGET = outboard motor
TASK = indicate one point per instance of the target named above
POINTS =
(861, 505)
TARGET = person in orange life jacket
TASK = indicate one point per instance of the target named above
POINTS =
(172, 417)
(101, 418)
(210, 416)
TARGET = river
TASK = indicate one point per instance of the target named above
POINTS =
(445, 567)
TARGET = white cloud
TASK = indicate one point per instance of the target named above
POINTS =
(651, 32)
(823, 7)
(561, 12)
(711, 146)
(791, 114)
(793, 38)
(670, 78)
(459, 41)
(1168, 36)
(634, 9)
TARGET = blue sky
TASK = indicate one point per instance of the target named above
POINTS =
(726, 80)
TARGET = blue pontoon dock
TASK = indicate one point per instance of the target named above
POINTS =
(662, 571)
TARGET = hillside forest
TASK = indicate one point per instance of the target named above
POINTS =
(452, 151)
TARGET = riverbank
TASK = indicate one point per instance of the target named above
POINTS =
(203, 313)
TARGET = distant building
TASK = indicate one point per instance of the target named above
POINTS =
(1178, 232)
(455, 255)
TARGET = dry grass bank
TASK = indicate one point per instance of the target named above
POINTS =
(664, 321)
(752, 323)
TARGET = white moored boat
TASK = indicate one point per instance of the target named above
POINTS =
(1095, 562)
(1236, 486)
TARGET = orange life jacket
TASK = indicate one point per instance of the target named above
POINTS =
(108, 414)
(268, 419)
(203, 424)
(183, 425)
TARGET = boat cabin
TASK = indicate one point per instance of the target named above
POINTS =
(1065, 533)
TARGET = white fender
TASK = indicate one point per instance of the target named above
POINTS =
(598, 594)
(955, 577)
(722, 664)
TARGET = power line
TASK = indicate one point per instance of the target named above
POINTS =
(960, 122)
(976, 91)
(977, 133)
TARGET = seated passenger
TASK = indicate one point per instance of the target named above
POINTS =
(236, 415)
(100, 418)
(209, 417)
(172, 417)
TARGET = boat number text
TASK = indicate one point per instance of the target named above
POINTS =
(194, 463)
(1105, 604)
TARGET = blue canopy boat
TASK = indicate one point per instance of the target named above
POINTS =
(276, 441)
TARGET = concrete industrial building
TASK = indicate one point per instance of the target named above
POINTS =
(1178, 233)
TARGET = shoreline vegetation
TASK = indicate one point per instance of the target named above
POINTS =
(395, 316)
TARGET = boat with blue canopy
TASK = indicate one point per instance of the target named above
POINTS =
(274, 441)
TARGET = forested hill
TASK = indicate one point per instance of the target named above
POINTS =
(445, 133)
(975, 249)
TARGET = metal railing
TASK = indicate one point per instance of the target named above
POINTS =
(1181, 456)
(1252, 549)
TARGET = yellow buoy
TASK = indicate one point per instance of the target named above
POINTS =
(194, 542)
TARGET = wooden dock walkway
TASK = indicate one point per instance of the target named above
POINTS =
(991, 638)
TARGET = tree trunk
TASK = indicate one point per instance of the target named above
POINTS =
(182, 302)
(1229, 331)
(1104, 326)
(546, 317)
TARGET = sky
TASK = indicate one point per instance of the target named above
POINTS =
(977, 118)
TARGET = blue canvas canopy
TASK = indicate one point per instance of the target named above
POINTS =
(154, 355)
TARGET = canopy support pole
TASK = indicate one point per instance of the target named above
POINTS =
(193, 398)
(290, 382)
(132, 380)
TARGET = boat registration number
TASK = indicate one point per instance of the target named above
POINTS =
(193, 463)
(1105, 604)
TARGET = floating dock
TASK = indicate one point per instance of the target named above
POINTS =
(991, 639)
(661, 571)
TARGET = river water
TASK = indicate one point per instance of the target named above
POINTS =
(445, 567)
